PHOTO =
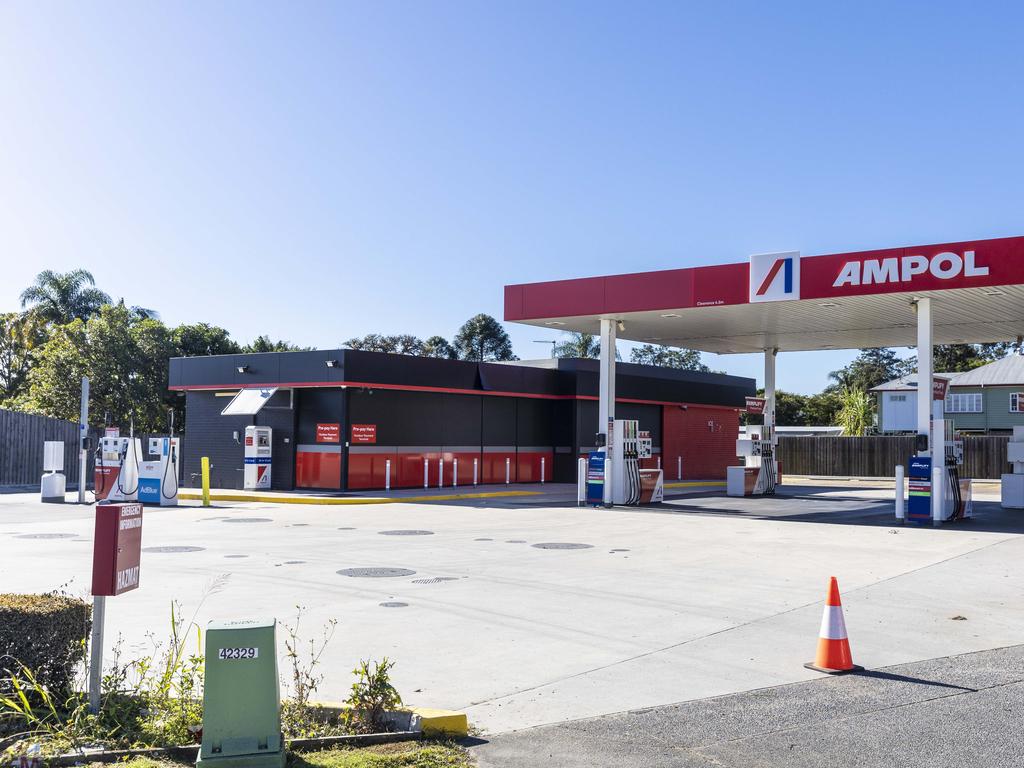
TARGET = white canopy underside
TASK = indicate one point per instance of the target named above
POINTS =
(964, 315)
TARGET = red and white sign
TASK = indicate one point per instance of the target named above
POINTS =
(117, 548)
(939, 387)
(364, 433)
(112, 432)
(774, 276)
(755, 404)
(328, 433)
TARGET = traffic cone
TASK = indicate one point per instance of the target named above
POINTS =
(834, 657)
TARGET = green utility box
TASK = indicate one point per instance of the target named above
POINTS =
(242, 697)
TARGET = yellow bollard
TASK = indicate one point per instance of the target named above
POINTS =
(206, 481)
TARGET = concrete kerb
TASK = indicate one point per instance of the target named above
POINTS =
(345, 501)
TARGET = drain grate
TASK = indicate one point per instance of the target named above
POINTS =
(435, 580)
(562, 545)
(516, 541)
(618, 550)
(375, 573)
(299, 525)
(483, 539)
(172, 550)
(294, 562)
(406, 533)
(247, 520)
(234, 557)
(46, 536)
(394, 604)
(347, 528)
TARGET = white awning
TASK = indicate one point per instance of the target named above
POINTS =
(248, 402)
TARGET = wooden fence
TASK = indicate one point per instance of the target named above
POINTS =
(878, 455)
(21, 447)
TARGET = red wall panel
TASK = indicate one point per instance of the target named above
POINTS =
(527, 466)
(314, 469)
(704, 436)
(494, 466)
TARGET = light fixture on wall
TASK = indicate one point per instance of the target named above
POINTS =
(242, 369)
(331, 363)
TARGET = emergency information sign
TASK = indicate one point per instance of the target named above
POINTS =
(364, 433)
(328, 433)
(117, 548)
(755, 405)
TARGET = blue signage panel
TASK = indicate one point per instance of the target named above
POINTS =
(149, 490)
(919, 486)
(595, 478)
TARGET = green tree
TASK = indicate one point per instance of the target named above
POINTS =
(438, 346)
(399, 344)
(482, 338)
(62, 297)
(202, 339)
(1000, 349)
(577, 344)
(869, 369)
(820, 410)
(951, 358)
(855, 412)
(668, 357)
(265, 344)
(126, 361)
(20, 335)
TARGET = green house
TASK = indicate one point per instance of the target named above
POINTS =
(988, 399)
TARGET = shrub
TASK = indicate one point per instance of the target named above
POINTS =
(45, 633)
(372, 695)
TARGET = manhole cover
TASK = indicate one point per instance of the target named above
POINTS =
(247, 520)
(375, 573)
(618, 550)
(483, 539)
(294, 562)
(435, 580)
(47, 536)
(234, 557)
(299, 525)
(394, 604)
(562, 545)
(516, 541)
(406, 533)
(349, 528)
(172, 550)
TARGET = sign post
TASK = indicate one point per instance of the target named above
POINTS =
(117, 551)
(83, 440)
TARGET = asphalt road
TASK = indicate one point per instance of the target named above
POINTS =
(958, 711)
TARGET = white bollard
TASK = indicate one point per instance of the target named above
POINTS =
(426, 473)
(659, 461)
(900, 499)
(440, 472)
(542, 469)
(938, 497)
(607, 480)
(474, 471)
(387, 474)
(581, 482)
(455, 473)
(679, 467)
(508, 469)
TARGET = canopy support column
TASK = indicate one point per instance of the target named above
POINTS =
(769, 388)
(606, 398)
(925, 373)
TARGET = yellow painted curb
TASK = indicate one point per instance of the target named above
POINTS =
(694, 484)
(442, 722)
(332, 500)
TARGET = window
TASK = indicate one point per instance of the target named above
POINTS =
(897, 398)
(1016, 401)
(964, 402)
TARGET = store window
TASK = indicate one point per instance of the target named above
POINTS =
(965, 402)
(1016, 401)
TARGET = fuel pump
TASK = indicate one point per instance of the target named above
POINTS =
(258, 442)
(158, 477)
(955, 502)
(759, 475)
(116, 475)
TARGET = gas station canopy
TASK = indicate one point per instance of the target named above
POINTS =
(785, 302)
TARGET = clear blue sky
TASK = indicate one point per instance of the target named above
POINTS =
(316, 171)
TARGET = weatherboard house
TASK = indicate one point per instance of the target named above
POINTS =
(989, 399)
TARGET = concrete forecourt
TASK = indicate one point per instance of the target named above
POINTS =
(706, 596)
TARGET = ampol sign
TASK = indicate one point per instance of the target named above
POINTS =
(775, 276)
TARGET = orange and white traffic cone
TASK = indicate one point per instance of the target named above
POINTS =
(834, 657)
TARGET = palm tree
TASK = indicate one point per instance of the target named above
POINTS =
(578, 344)
(61, 297)
(855, 412)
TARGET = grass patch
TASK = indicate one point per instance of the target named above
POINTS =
(401, 755)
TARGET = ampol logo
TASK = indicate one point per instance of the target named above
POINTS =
(942, 266)
(775, 276)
